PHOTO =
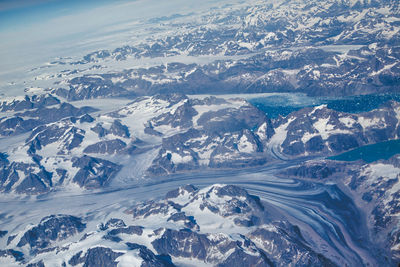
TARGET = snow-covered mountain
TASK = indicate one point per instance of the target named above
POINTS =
(321, 130)
(220, 225)
(175, 133)
(316, 47)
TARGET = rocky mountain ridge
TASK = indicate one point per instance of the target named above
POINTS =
(183, 134)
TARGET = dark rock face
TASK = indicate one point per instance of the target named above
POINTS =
(149, 258)
(285, 246)
(114, 223)
(64, 110)
(35, 183)
(16, 125)
(35, 179)
(86, 118)
(184, 151)
(188, 221)
(118, 129)
(187, 244)
(240, 258)
(186, 189)
(36, 264)
(106, 147)
(47, 134)
(94, 172)
(23, 122)
(3, 233)
(149, 208)
(17, 255)
(99, 130)
(316, 170)
(87, 87)
(10, 239)
(3, 160)
(29, 102)
(130, 230)
(51, 228)
(98, 256)
(182, 117)
(232, 120)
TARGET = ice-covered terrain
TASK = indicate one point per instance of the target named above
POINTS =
(213, 213)
(316, 47)
(99, 165)
(198, 134)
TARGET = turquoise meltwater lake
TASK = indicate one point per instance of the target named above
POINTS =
(371, 153)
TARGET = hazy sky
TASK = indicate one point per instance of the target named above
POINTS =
(35, 31)
(15, 14)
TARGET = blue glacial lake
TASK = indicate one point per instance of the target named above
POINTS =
(371, 153)
(285, 103)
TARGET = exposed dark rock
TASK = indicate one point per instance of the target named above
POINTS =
(64, 110)
(35, 179)
(47, 134)
(17, 125)
(115, 223)
(94, 172)
(51, 228)
(188, 244)
(118, 129)
(285, 246)
(86, 118)
(29, 102)
(149, 258)
(188, 221)
(36, 264)
(10, 239)
(87, 87)
(17, 255)
(106, 147)
(321, 130)
(96, 257)
(182, 117)
(149, 208)
(180, 191)
(3, 233)
(99, 130)
(130, 230)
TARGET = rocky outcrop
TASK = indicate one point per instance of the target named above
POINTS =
(93, 172)
(319, 130)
